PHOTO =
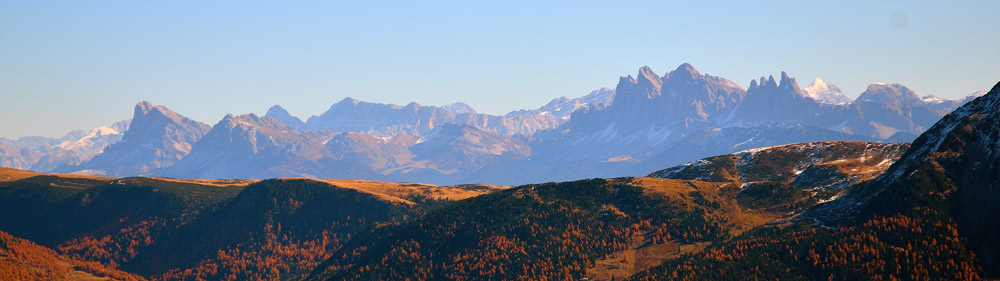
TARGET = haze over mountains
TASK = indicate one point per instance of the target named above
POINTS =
(646, 121)
(830, 210)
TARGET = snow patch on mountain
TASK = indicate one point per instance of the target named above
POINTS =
(826, 92)
(562, 107)
(89, 138)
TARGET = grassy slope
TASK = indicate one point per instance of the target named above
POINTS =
(215, 229)
(554, 230)
(607, 229)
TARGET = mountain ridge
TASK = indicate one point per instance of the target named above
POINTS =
(157, 137)
(646, 120)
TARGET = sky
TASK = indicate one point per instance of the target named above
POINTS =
(82, 64)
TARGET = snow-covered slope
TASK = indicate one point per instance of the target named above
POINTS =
(43, 154)
(826, 92)
(562, 107)
(822, 168)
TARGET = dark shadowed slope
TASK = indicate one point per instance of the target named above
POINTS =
(930, 216)
(603, 229)
(168, 229)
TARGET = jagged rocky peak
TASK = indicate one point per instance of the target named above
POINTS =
(459, 107)
(765, 83)
(770, 86)
(347, 101)
(253, 121)
(144, 108)
(625, 80)
(769, 83)
(412, 104)
(228, 121)
(685, 71)
(787, 82)
(648, 78)
(156, 137)
(891, 94)
(277, 110)
(635, 89)
(282, 115)
(149, 119)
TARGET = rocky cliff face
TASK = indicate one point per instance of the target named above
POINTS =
(157, 137)
(379, 153)
(249, 146)
(647, 121)
(279, 113)
(462, 146)
(649, 113)
(384, 120)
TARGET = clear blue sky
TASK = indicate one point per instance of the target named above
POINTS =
(80, 64)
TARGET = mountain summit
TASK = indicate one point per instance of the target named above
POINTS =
(648, 120)
(386, 120)
(823, 91)
(279, 113)
(157, 137)
(950, 172)
(249, 146)
(890, 94)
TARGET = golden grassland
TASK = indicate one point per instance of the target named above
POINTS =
(389, 191)
(405, 192)
(10, 174)
(643, 254)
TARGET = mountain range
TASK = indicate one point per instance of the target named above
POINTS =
(826, 210)
(645, 121)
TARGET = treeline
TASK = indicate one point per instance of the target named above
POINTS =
(23, 260)
(883, 248)
(164, 230)
(275, 229)
(551, 231)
